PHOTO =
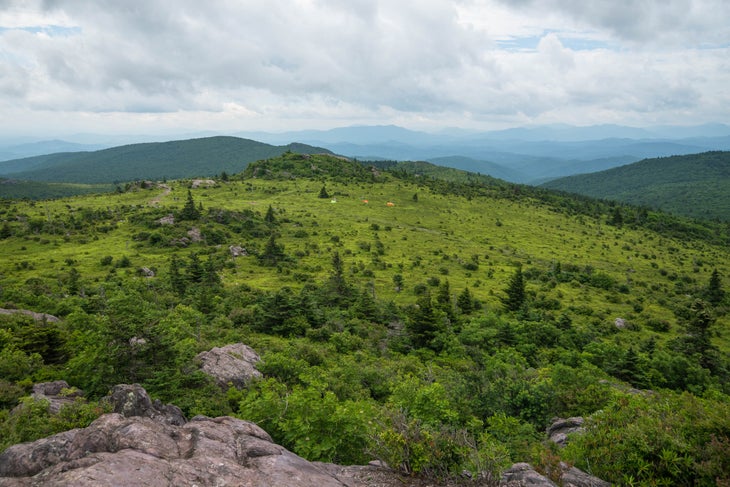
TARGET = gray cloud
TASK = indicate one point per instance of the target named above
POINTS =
(238, 63)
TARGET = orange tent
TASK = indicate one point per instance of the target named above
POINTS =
(390, 203)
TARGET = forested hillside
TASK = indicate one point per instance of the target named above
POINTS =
(696, 185)
(155, 160)
(437, 321)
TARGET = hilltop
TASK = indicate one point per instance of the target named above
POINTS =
(429, 318)
(154, 160)
(695, 185)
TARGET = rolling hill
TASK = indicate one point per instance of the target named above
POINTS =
(696, 185)
(156, 160)
(430, 318)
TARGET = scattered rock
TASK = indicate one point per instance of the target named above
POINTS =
(146, 272)
(36, 316)
(195, 235)
(131, 400)
(573, 477)
(559, 430)
(233, 364)
(523, 475)
(58, 394)
(167, 220)
(237, 251)
(197, 183)
(620, 323)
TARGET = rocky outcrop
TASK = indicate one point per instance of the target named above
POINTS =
(573, 477)
(139, 445)
(232, 365)
(36, 316)
(523, 475)
(131, 400)
(559, 430)
(58, 394)
(237, 251)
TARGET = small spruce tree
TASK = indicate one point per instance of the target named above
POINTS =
(323, 193)
(516, 294)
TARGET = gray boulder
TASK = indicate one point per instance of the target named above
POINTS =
(58, 394)
(131, 400)
(139, 451)
(559, 430)
(232, 365)
(523, 475)
(573, 477)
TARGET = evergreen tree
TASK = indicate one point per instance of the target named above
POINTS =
(224, 176)
(465, 301)
(424, 323)
(273, 252)
(698, 324)
(177, 281)
(189, 211)
(516, 294)
(714, 293)
(617, 219)
(323, 193)
(337, 291)
(195, 271)
(443, 299)
(270, 218)
(5, 231)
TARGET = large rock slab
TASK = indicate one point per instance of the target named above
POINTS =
(232, 365)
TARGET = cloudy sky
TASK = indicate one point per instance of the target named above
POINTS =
(134, 66)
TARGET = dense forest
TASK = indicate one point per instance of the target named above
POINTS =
(429, 318)
(695, 185)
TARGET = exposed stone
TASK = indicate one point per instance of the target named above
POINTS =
(147, 272)
(233, 364)
(195, 235)
(36, 316)
(132, 400)
(573, 477)
(58, 394)
(237, 251)
(197, 183)
(523, 475)
(167, 220)
(138, 451)
(620, 323)
(559, 430)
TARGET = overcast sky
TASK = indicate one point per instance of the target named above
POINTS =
(149, 66)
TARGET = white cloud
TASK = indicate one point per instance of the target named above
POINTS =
(86, 64)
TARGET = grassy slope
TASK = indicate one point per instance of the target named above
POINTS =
(695, 185)
(431, 237)
(14, 189)
(159, 160)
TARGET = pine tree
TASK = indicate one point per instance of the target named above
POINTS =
(5, 231)
(177, 281)
(714, 293)
(465, 301)
(189, 211)
(323, 193)
(516, 294)
(270, 218)
(195, 272)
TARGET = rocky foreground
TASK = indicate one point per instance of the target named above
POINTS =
(146, 443)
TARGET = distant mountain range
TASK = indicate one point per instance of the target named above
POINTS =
(155, 160)
(696, 185)
(529, 155)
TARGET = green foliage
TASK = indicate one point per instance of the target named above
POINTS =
(31, 420)
(694, 185)
(515, 292)
(436, 381)
(155, 161)
(655, 439)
